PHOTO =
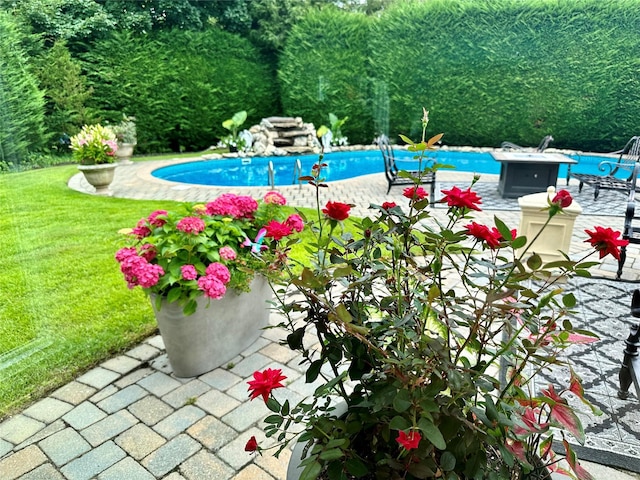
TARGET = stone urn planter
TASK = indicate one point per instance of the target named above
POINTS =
(218, 331)
(99, 176)
(124, 153)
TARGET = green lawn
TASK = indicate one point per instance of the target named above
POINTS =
(63, 303)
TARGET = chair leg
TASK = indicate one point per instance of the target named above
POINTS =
(621, 260)
(433, 192)
(596, 192)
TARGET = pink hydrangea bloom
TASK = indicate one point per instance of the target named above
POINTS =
(189, 272)
(227, 253)
(231, 205)
(212, 287)
(148, 252)
(155, 221)
(141, 230)
(125, 253)
(192, 225)
(149, 275)
(219, 271)
(295, 222)
(275, 198)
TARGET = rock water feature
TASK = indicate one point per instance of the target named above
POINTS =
(283, 135)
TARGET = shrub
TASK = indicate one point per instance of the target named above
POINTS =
(179, 85)
(21, 102)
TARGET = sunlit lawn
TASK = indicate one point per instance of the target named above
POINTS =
(64, 305)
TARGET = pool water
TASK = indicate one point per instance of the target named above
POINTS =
(254, 171)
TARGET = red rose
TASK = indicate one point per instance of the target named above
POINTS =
(409, 441)
(264, 382)
(483, 233)
(252, 445)
(337, 210)
(462, 198)
(415, 193)
(605, 241)
(277, 230)
(562, 198)
(389, 205)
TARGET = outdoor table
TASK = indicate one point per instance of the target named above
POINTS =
(523, 173)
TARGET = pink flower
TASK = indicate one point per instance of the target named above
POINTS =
(148, 252)
(189, 272)
(212, 287)
(227, 253)
(141, 230)
(155, 221)
(124, 253)
(231, 205)
(149, 275)
(192, 225)
(277, 230)
(295, 222)
(219, 271)
(275, 198)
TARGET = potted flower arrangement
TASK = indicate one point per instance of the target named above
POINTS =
(202, 267)
(422, 337)
(94, 148)
(126, 135)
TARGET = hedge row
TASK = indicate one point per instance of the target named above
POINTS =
(179, 85)
(488, 70)
(21, 101)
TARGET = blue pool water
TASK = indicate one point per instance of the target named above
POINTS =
(254, 171)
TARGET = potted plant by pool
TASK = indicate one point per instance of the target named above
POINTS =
(94, 149)
(203, 268)
(126, 135)
(234, 141)
(421, 336)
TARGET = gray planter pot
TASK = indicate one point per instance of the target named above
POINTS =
(99, 176)
(124, 153)
(217, 332)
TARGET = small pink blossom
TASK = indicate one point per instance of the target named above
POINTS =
(295, 222)
(227, 253)
(189, 272)
(219, 271)
(231, 205)
(148, 252)
(275, 198)
(192, 225)
(124, 253)
(155, 221)
(212, 287)
(141, 230)
(149, 275)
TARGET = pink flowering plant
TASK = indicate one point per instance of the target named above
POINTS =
(94, 144)
(422, 330)
(205, 249)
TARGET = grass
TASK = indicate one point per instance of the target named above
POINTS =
(64, 306)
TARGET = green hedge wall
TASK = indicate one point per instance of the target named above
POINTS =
(487, 70)
(513, 70)
(324, 69)
(21, 101)
(180, 85)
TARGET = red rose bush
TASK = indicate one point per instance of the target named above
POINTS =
(429, 333)
(204, 249)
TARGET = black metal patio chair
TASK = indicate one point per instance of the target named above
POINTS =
(544, 143)
(391, 170)
(618, 175)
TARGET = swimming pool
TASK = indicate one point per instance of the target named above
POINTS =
(254, 171)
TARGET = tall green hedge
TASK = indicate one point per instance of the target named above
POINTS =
(180, 85)
(494, 70)
(324, 69)
(21, 101)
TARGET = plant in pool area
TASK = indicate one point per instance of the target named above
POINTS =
(204, 249)
(94, 145)
(429, 329)
(126, 130)
(234, 141)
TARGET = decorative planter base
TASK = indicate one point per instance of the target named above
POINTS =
(99, 176)
(124, 153)
(217, 332)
